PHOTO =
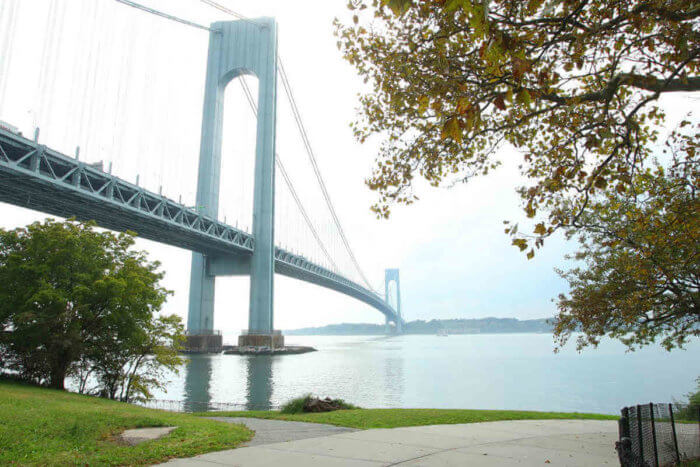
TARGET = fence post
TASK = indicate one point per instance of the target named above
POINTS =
(625, 423)
(675, 438)
(639, 434)
(624, 445)
(653, 433)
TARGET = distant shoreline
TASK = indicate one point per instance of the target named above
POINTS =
(433, 327)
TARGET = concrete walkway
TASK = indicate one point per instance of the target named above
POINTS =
(522, 443)
(277, 431)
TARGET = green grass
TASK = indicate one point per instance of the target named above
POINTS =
(392, 418)
(46, 427)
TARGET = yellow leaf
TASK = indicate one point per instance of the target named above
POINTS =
(523, 97)
(423, 104)
(452, 130)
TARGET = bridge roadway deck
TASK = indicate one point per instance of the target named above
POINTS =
(39, 178)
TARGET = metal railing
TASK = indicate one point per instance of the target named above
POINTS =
(658, 435)
(203, 332)
(200, 406)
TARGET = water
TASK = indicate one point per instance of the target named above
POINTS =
(498, 371)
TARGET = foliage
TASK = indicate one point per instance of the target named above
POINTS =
(46, 427)
(133, 369)
(572, 84)
(77, 300)
(296, 405)
(641, 250)
(689, 411)
(393, 418)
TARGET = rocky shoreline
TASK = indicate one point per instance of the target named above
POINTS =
(287, 350)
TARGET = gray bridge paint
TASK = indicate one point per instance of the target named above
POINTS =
(39, 178)
(237, 48)
(392, 275)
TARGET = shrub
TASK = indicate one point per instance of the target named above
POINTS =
(301, 404)
(295, 405)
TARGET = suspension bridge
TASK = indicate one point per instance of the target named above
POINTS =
(37, 175)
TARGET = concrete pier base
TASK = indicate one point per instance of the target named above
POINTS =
(273, 341)
(204, 343)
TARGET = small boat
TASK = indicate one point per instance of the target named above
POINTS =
(442, 333)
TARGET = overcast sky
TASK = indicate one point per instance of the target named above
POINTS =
(454, 259)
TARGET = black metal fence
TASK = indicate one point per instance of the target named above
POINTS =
(196, 406)
(658, 435)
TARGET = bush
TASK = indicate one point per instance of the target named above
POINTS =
(689, 411)
(295, 405)
(300, 404)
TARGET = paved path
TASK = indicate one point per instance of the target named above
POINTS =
(521, 443)
(277, 431)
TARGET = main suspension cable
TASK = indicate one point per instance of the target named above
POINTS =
(163, 15)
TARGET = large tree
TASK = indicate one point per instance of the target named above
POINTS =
(67, 290)
(573, 85)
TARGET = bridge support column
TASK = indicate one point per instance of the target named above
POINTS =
(262, 268)
(238, 48)
(200, 317)
(392, 275)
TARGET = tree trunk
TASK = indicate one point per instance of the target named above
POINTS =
(58, 378)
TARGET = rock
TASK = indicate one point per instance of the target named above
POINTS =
(141, 435)
(321, 405)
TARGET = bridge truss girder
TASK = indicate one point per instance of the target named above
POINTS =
(36, 177)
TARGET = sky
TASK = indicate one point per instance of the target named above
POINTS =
(455, 261)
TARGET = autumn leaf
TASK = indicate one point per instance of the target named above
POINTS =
(499, 102)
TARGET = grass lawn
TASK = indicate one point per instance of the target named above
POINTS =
(392, 418)
(48, 427)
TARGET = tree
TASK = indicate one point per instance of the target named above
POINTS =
(132, 369)
(67, 290)
(641, 251)
(574, 86)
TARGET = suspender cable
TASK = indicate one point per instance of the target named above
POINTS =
(288, 181)
(314, 164)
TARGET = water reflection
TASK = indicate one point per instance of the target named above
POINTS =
(198, 373)
(393, 381)
(259, 383)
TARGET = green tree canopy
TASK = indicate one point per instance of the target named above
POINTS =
(67, 292)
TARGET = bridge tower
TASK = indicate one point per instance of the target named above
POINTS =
(392, 275)
(238, 48)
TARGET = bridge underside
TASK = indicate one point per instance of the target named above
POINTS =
(38, 178)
